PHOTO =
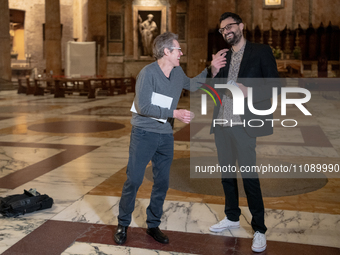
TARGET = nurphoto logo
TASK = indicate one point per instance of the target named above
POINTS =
(238, 104)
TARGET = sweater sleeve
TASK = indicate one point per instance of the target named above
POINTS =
(145, 86)
(192, 84)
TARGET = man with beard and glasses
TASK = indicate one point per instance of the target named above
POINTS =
(237, 141)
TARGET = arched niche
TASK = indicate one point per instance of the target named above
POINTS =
(17, 23)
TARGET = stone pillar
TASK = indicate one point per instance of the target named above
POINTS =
(128, 30)
(78, 20)
(97, 13)
(173, 16)
(5, 42)
(53, 37)
(197, 36)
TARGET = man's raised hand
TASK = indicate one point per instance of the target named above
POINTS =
(218, 61)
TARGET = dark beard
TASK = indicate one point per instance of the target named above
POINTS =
(235, 40)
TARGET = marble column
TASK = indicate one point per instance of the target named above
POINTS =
(97, 14)
(5, 42)
(128, 30)
(78, 20)
(197, 36)
(53, 37)
(173, 16)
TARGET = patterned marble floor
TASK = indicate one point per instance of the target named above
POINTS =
(76, 149)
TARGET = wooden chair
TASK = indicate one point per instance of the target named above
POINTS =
(30, 87)
(43, 85)
(21, 89)
(130, 84)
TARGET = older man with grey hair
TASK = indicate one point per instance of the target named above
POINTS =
(152, 135)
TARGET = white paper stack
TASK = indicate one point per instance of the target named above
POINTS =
(159, 100)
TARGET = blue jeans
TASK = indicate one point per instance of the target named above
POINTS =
(146, 146)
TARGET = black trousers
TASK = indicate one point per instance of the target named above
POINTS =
(234, 144)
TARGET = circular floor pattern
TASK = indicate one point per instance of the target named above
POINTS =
(271, 187)
(76, 126)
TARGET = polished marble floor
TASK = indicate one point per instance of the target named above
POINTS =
(76, 150)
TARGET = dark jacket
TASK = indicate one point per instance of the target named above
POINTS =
(257, 62)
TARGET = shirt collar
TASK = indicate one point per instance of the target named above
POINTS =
(241, 50)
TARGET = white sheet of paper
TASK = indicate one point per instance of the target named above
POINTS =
(159, 100)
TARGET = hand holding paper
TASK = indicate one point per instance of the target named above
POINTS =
(159, 100)
(240, 86)
(184, 115)
(244, 89)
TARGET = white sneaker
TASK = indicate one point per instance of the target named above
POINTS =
(224, 224)
(259, 242)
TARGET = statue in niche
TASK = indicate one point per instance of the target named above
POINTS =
(11, 35)
(148, 31)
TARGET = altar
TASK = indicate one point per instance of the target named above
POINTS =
(295, 64)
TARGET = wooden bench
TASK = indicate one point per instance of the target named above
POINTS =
(21, 89)
(25, 86)
(70, 85)
(114, 85)
(130, 84)
(59, 86)
(43, 85)
(36, 87)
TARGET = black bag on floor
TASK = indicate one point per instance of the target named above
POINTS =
(30, 201)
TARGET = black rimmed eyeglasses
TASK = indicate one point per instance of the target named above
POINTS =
(227, 27)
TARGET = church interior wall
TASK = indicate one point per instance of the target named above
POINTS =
(33, 35)
(325, 11)
(86, 20)
(216, 8)
(79, 20)
(302, 13)
(84, 25)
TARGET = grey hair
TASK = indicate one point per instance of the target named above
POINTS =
(163, 41)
